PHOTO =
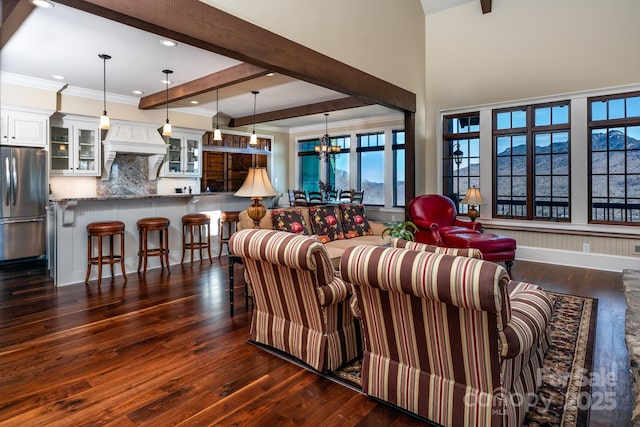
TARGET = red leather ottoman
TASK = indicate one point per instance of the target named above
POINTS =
(494, 247)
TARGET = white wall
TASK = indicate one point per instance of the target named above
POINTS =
(525, 49)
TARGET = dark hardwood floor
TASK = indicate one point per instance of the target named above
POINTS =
(164, 351)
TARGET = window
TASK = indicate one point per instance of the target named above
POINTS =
(398, 167)
(461, 156)
(309, 165)
(371, 167)
(531, 155)
(338, 167)
(614, 159)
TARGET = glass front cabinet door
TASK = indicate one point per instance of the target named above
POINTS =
(75, 147)
(184, 157)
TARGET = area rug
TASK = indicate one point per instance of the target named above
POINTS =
(567, 363)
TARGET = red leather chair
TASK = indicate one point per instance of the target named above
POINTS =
(435, 217)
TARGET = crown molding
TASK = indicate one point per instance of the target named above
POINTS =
(97, 95)
(33, 82)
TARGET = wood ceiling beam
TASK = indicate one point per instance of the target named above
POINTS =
(227, 77)
(486, 6)
(304, 110)
(203, 26)
(12, 15)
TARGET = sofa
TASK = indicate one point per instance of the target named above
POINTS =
(301, 305)
(338, 226)
(443, 336)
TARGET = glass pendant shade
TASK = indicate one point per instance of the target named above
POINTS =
(104, 119)
(166, 128)
(254, 138)
(217, 135)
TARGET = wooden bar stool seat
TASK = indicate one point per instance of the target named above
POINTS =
(194, 225)
(99, 230)
(229, 221)
(145, 225)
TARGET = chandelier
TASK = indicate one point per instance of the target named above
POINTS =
(325, 150)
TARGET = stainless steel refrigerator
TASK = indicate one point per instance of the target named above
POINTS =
(23, 182)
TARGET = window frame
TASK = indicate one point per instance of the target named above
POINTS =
(395, 147)
(609, 124)
(359, 150)
(529, 130)
(449, 175)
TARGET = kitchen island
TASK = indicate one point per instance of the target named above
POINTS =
(68, 218)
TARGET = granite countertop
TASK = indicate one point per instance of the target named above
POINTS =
(133, 197)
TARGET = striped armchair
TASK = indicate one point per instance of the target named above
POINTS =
(444, 339)
(301, 305)
(424, 247)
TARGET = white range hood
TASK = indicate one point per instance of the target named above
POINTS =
(134, 138)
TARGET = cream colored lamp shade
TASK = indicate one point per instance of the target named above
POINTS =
(256, 186)
(473, 198)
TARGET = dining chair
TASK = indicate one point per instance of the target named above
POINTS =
(300, 198)
(315, 198)
(345, 196)
(331, 195)
(292, 198)
(357, 196)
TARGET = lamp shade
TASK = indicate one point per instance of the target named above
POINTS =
(473, 197)
(256, 184)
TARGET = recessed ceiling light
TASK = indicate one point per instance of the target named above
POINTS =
(58, 77)
(270, 75)
(169, 43)
(42, 3)
(194, 102)
(137, 92)
(166, 82)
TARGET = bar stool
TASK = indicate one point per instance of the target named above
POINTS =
(102, 229)
(145, 225)
(230, 219)
(199, 222)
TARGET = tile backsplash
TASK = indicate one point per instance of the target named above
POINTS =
(129, 176)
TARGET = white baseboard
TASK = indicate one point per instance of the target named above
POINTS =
(578, 259)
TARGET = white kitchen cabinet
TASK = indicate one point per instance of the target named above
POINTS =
(184, 157)
(23, 128)
(75, 147)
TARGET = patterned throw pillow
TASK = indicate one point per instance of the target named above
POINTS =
(290, 220)
(325, 223)
(354, 221)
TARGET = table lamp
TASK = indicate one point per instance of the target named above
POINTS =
(256, 186)
(473, 198)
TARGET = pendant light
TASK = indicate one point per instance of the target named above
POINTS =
(217, 135)
(325, 150)
(166, 128)
(104, 119)
(254, 138)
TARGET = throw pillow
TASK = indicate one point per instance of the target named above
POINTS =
(290, 220)
(325, 223)
(354, 221)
